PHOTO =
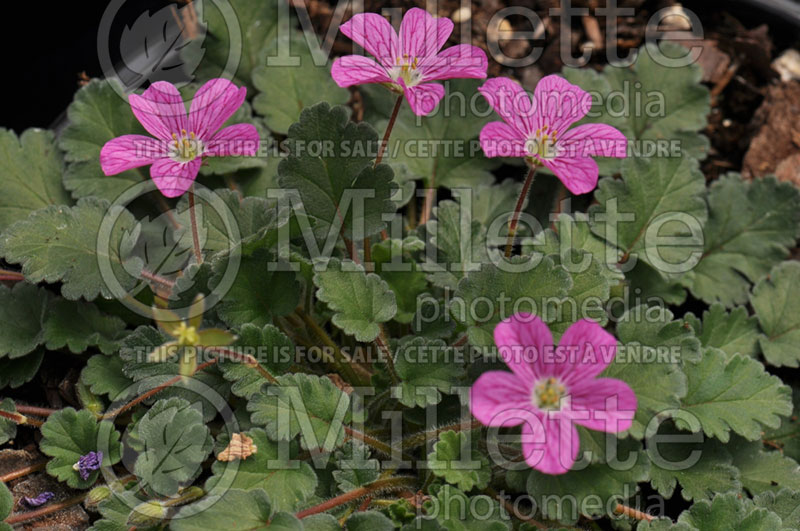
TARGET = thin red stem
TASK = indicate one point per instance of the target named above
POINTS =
(632, 513)
(512, 226)
(388, 132)
(44, 511)
(152, 392)
(33, 410)
(382, 485)
(22, 472)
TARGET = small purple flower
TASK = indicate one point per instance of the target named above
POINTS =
(88, 464)
(39, 500)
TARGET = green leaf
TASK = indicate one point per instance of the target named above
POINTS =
(460, 245)
(751, 226)
(257, 294)
(448, 461)
(67, 435)
(104, 375)
(650, 362)
(256, 25)
(175, 444)
(98, 114)
(32, 169)
(299, 86)
(355, 469)
(271, 347)
(776, 301)
(15, 372)
(60, 244)
(455, 511)
(785, 503)
(787, 435)
(440, 148)
(730, 512)
(735, 394)
(331, 168)
(487, 202)
(6, 502)
(369, 521)
(657, 199)
(663, 524)
(649, 101)
(702, 469)
(404, 279)
(487, 296)
(427, 368)
(287, 482)
(246, 510)
(79, 325)
(733, 333)
(653, 287)
(587, 297)
(361, 301)
(227, 221)
(22, 313)
(135, 350)
(564, 497)
(8, 428)
(304, 404)
(764, 470)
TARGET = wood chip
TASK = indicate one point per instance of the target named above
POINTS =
(240, 447)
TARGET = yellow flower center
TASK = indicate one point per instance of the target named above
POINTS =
(543, 143)
(187, 335)
(548, 394)
(186, 147)
(406, 68)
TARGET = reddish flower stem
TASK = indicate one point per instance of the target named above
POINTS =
(21, 420)
(22, 472)
(44, 511)
(632, 513)
(198, 253)
(512, 226)
(11, 276)
(383, 345)
(382, 485)
(388, 132)
(152, 392)
(158, 279)
(33, 410)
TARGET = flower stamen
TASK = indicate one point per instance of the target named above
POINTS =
(548, 394)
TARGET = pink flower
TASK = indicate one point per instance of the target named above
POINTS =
(181, 141)
(406, 63)
(539, 130)
(550, 389)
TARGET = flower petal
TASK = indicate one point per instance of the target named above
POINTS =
(213, 104)
(160, 109)
(598, 140)
(550, 444)
(522, 341)
(559, 103)
(511, 102)
(374, 33)
(174, 178)
(130, 151)
(603, 404)
(500, 398)
(357, 69)
(239, 140)
(463, 60)
(422, 98)
(578, 174)
(588, 350)
(422, 34)
(498, 139)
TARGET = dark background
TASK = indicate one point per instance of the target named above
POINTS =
(46, 45)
